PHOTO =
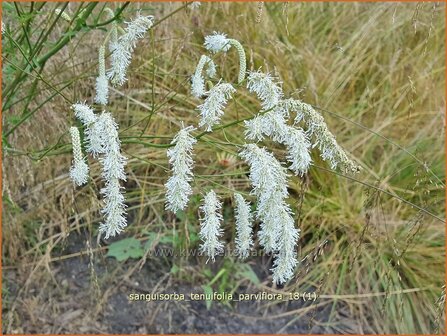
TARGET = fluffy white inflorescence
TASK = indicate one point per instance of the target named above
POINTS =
(93, 128)
(210, 230)
(273, 124)
(278, 233)
(217, 42)
(323, 138)
(211, 70)
(298, 150)
(79, 169)
(178, 189)
(120, 61)
(197, 80)
(195, 4)
(212, 108)
(84, 113)
(102, 137)
(267, 90)
(269, 181)
(102, 83)
(113, 163)
(244, 240)
(285, 261)
(122, 49)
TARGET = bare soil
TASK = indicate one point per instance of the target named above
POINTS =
(70, 300)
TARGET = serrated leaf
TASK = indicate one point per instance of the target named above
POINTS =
(125, 249)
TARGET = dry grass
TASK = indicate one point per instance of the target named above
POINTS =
(370, 68)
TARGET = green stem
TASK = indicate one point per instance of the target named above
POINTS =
(62, 42)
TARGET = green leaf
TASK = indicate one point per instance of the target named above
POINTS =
(150, 241)
(208, 291)
(167, 239)
(207, 272)
(125, 249)
(248, 273)
(181, 216)
(174, 269)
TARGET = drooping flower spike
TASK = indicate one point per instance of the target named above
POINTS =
(93, 128)
(113, 163)
(210, 230)
(79, 170)
(219, 42)
(178, 188)
(244, 218)
(265, 87)
(198, 80)
(102, 83)
(278, 233)
(211, 110)
(103, 140)
(273, 124)
(323, 139)
(122, 49)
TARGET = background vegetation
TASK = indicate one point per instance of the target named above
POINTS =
(372, 246)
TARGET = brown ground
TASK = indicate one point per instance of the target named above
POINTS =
(68, 302)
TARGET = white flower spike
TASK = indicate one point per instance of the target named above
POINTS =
(123, 48)
(219, 42)
(79, 170)
(278, 233)
(298, 150)
(102, 137)
(325, 141)
(197, 80)
(211, 110)
(195, 5)
(211, 70)
(113, 163)
(273, 124)
(267, 90)
(93, 128)
(269, 181)
(210, 230)
(102, 83)
(178, 188)
(84, 113)
(285, 261)
(244, 218)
